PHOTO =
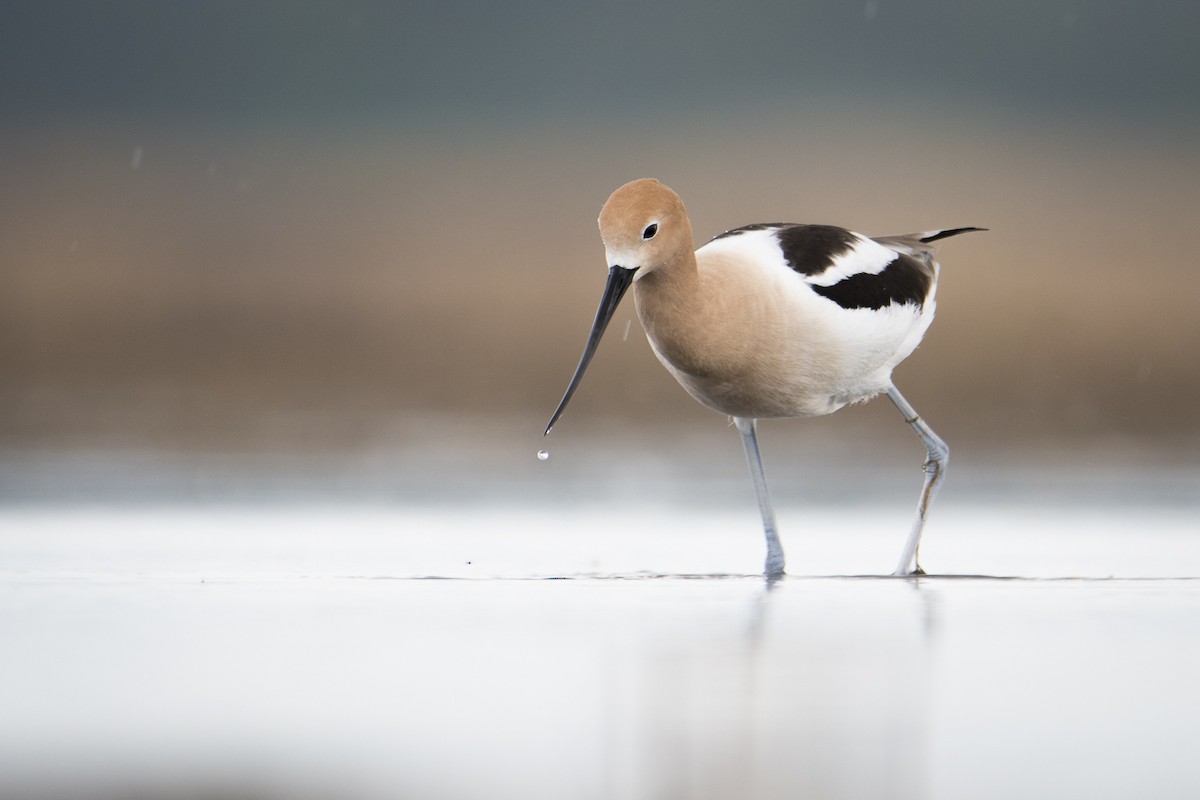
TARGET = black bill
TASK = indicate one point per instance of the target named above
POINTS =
(619, 281)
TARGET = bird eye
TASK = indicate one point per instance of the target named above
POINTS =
(651, 229)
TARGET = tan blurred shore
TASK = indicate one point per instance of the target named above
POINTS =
(259, 289)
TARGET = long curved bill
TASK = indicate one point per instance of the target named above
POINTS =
(619, 281)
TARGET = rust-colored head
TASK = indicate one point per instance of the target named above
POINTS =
(644, 227)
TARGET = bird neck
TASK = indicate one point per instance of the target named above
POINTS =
(675, 283)
(670, 307)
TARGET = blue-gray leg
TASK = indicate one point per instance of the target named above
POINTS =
(774, 565)
(935, 470)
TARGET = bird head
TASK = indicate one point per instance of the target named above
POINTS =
(645, 228)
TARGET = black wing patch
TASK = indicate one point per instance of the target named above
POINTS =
(812, 249)
(808, 249)
(904, 280)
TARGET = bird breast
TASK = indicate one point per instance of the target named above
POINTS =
(734, 341)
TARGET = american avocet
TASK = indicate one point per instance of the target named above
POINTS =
(772, 320)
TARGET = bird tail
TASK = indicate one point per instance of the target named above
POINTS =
(917, 244)
(933, 236)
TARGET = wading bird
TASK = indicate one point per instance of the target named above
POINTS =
(772, 320)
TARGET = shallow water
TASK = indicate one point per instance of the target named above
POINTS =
(379, 651)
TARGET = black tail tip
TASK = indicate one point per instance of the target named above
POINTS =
(946, 234)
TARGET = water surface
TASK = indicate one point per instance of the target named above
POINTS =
(351, 651)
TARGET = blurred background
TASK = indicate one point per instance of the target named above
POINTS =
(350, 247)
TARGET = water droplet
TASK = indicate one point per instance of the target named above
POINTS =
(543, 455)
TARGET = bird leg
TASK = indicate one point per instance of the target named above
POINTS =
(935, 470)
(774, 565)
